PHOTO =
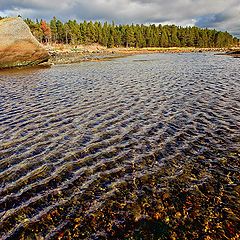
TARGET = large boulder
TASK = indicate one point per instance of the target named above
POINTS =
(18, 47)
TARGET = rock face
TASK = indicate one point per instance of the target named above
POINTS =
(235, 54)
(18, 47)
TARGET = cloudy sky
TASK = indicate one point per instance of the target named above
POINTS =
(219, 14)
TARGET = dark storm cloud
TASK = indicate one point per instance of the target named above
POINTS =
(225, 20)
(219, 14)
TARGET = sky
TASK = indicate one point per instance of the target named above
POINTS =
(222, 15)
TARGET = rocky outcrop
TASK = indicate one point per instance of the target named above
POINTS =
(18, 47)
(235, 53)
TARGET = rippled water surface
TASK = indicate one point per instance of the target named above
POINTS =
(143, 147)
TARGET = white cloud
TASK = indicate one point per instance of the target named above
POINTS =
(220, 14)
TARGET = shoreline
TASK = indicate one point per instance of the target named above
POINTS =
(66, 54)
(87, 54)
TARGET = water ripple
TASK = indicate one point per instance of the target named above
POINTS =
(140, 147)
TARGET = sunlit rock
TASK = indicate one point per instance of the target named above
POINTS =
(18, 47)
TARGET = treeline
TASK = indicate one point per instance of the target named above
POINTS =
(111, 35)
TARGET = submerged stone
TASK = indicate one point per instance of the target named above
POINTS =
(18, 47)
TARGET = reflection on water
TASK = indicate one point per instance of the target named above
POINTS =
(144, 147)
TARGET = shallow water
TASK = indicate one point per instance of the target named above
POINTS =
(143, 147)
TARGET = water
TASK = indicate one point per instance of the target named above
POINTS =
(143, 147)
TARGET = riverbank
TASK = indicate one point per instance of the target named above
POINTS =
(64, 54)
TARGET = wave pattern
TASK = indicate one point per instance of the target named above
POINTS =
(140, 147)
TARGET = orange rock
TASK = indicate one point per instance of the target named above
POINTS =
(18, 47)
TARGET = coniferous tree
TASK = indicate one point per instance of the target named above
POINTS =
(104, 35)
(174, 42)
(112, 35)
(60, 32)
(163, 38)
(53, 27)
